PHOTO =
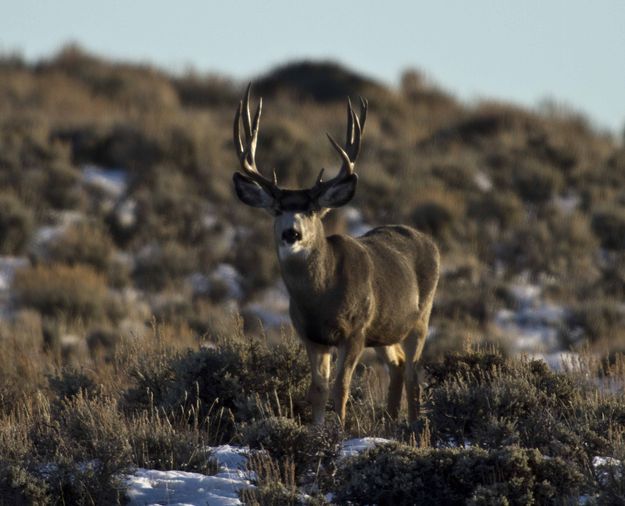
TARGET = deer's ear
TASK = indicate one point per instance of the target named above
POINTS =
(251, 193)
(340, 193)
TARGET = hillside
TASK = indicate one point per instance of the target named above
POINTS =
(119, 231)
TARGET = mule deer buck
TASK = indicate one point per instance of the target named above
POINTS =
(346, 293)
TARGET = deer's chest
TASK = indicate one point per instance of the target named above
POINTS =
(332, 325)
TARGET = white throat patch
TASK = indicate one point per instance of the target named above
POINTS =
(295, 250)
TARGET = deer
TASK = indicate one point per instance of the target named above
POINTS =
(345, 293)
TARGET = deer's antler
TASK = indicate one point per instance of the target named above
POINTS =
(349, 154)
(247, 152)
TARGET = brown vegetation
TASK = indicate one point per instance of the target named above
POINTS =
(506, 192)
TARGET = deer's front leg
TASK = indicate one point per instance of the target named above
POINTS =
(349, 353)
(319, 357)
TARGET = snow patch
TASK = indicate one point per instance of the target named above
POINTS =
(482, 181)
(356, 225)
(534, 324)
(352, 447)
(178, 488)
(229, 278)
(567, 203)
(111, 182)
(8, 266)
(606, 468)
(271, 307)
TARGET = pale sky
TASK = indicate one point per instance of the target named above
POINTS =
(521, 51)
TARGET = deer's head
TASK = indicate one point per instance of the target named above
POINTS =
(298, 213)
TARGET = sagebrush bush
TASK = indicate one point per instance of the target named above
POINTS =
(491, 401)
(16, 224)
(60, 187)
(21, 486)
(536, 182)
(609, 225)
(276, 484)
(73, 454)
(159, 441)
(62, 291)
(401, 474)
(598, 319)
(159, 266)
(82, 243)
(308, 447)
(235, 380)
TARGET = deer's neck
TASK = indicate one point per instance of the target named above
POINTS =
(309, 275)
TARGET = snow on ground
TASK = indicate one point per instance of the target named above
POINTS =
(482, 181)
(607, 467)
(147, 487)
(45, 234)
(8, 266)
(228, 278)
(271, 307)
(559, 360)
(356, 225)
(352, 447)
(534, 324)
(111, 182)
(567, 203)
(178, 488)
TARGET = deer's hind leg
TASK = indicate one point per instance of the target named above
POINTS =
(413, 347)
(393, 357)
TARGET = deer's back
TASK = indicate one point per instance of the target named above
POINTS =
(405, 269)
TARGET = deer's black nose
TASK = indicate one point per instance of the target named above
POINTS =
(291, 236)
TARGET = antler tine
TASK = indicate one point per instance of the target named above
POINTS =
(349, 138)
(355, 127)
(238, 145)
(347, 163)
(247, 152)
(247, 122)
(364, 105)
(320, 177)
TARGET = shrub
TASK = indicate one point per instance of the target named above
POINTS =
(16, 224)
(276, 484)
(258, 266)
(556, 244)
(159, 266)
(488, 400)
(73, 454)
(281, 437)
(83, 243)
(19, 485)
(503, 208)
(308, 447)
(597, 318)
(400, 474)
(60, 188)
(535, 182)
(70, 383)
(432, 218)
(159, 441)
(62, 291)
(236, 380)
(609, 225)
